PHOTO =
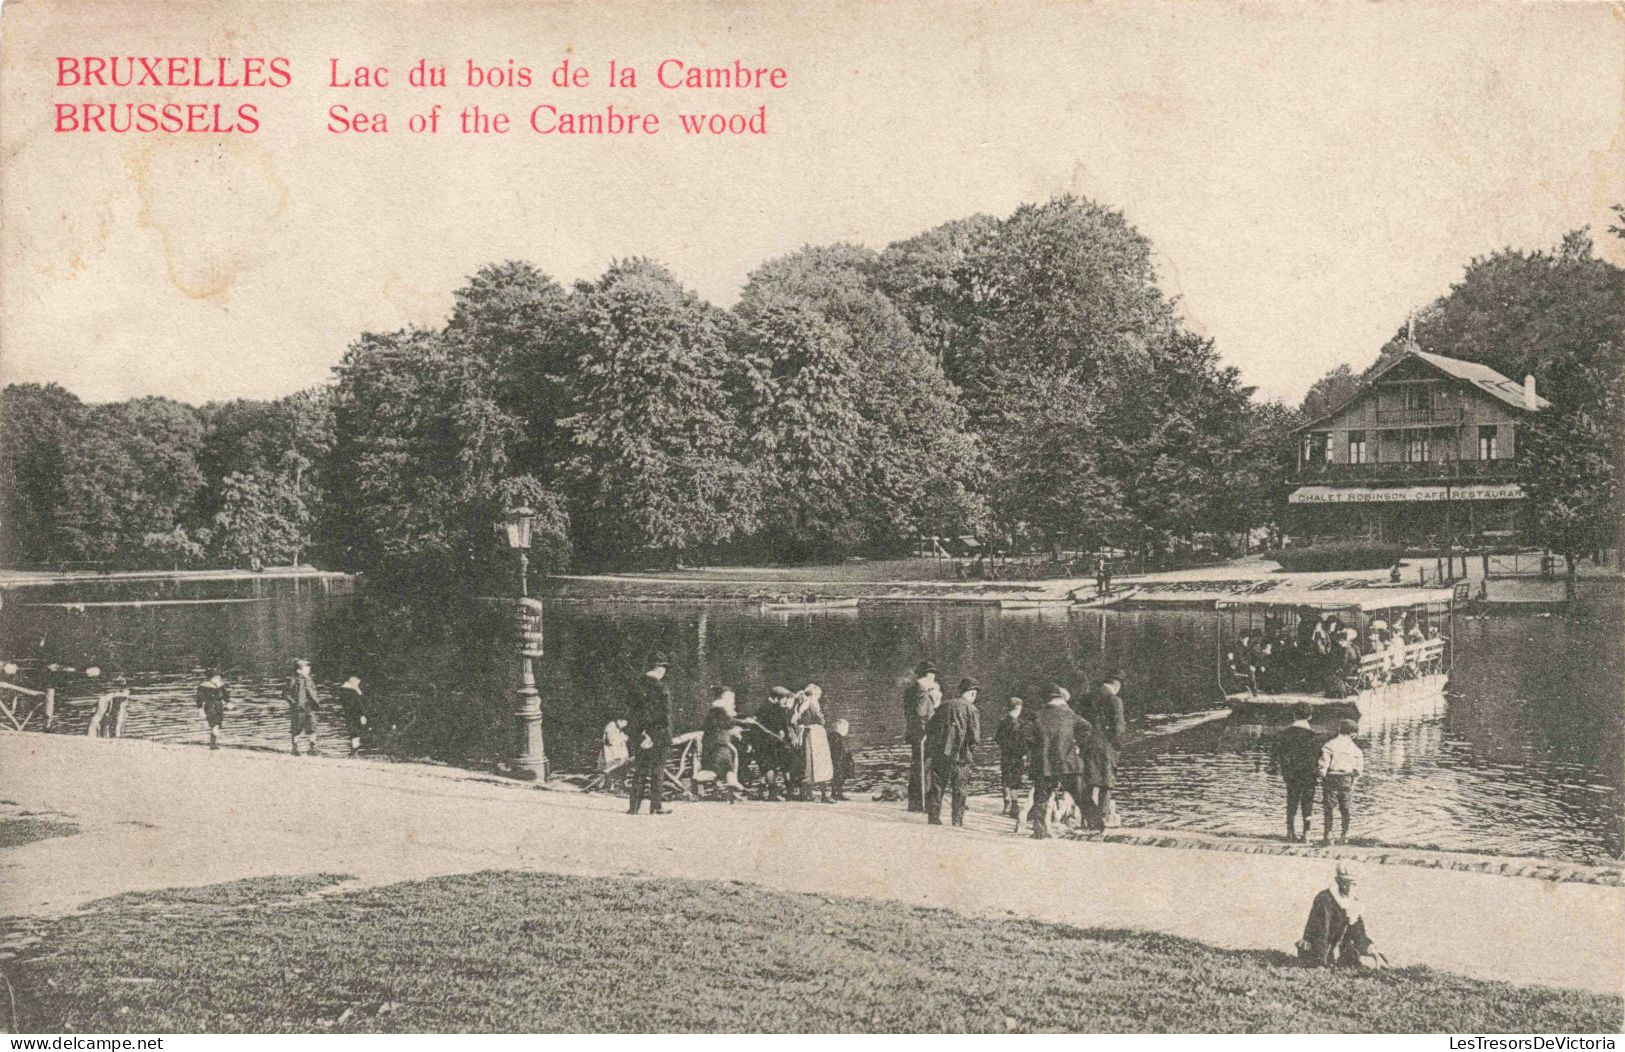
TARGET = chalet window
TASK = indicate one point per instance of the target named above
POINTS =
(1486, 442)
(1419, 397)
(1417, 449)
(1315, 447)
(1357, 447)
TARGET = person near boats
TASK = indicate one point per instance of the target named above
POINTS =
(951, 737)
(1056, 740)
(807, 728)
(1297, 757)
(1104, 746)
(719, 730)
(354, 708)
(302, 705)
(649, 729)
(212, 695)
(840, 757)
(1341, 763)
(1010, 736)
(1335, 934)
(920, 699)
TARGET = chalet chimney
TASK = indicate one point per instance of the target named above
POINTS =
(1529, 391)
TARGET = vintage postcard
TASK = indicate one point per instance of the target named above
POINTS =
(777, 518)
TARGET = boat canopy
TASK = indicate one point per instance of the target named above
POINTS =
(1365, 599)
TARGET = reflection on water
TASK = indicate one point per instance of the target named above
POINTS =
(1525, 756)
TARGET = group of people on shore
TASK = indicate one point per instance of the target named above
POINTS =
(796, 752)
(790, 748)
(213, 697)
(1323, 654)
(1067, 751)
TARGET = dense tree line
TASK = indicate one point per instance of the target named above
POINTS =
(1023, 379)
(155, 483)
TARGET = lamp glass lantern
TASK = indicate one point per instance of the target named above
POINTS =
(516, 527)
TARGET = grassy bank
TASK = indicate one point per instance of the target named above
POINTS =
(535, 952)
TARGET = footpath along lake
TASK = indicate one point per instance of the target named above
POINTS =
(1523, 758)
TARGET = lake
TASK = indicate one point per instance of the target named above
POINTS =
(1522, 757)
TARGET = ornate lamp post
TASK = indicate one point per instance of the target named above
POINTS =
(516, 527)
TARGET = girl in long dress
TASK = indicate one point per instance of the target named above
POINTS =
(817, 767)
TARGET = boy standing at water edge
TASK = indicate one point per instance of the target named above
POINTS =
(1297, 755)
(302, 706)
(1341, 762)
(355, 713)
(211, 702)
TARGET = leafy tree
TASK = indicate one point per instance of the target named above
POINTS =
(656, 435)
(263, 520)
(1572, 457)
(1329, 392)
(1064, 285)
(421, 456)
(913, 465)
(1525, 312)
(283, 448)
(1049, 443)
(38, 424)
(518, 322)
(133, 471)
(805, 429)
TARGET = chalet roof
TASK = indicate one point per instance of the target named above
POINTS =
(1482, 377)
(1479, 377)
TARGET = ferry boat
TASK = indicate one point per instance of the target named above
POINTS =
(1385, 682)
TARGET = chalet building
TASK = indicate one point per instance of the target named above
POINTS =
(1423, 453)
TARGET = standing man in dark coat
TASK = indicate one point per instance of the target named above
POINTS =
(1057, 734)
(951, 736)
(211, 701)
(1297, 757)
(920, 700)
(1105, 745)
(302, 706)
(649, 730)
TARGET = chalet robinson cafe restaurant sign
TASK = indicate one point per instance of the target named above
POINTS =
(1404, 494)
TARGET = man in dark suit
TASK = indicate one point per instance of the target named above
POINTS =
(1105, 712)
(920, 700)
(649, 730)
(1056, 765)
(951, 736)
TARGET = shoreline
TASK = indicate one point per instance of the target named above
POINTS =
(40, 578)
(161, 816)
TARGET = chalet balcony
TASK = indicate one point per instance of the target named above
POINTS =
(1436, 416)
(1422, 471)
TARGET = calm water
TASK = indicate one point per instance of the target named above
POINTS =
(1524, 757)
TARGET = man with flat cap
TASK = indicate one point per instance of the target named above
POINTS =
(951, 736)
(1101, 754)
(920, 699)
(1058, 735)
(648, 728)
